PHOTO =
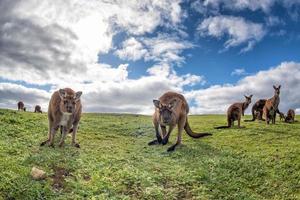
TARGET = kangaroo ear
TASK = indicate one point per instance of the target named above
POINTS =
(279, 86)
(274, 87)
(62, 93)
(173, 104)
(251, 96)
(78, 95)
(156, 103)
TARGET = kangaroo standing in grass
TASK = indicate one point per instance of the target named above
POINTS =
(271, 106)
(257, 110)
(170, 110)
(290, 116)
(21, 106)
(64, 111)
(235, 112)
(38, 109)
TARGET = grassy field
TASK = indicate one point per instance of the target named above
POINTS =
(115, 162)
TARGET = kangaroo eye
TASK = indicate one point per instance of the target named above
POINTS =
(65, 102)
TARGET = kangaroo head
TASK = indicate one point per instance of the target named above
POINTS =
(166, 111)
(277, 89)
(248, 99)
(68, 101)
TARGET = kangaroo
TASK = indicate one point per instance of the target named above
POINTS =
(235, 111)
(281, 116)
(290, 116)
(257, 110)
(271, 106)
(170, 110)
(21, 106)
(38, 109)
(64, 112)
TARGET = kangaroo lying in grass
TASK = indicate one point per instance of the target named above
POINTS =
(64, 112)
(170, 110)
(271, 106)
(235, 112)
(290, 116)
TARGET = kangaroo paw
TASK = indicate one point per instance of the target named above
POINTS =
(172, 148)
(76, 145)
(164, 141)
(43, 143)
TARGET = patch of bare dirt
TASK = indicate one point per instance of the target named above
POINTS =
(58, 177)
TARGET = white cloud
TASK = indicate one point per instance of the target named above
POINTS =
(163, 48)
(217, 98)
(238, 30)
(293, 8)
(214, 6)
(239, 72)
(60, 44)
(264, 5)
(166, 48)
(131, 50)
(135, 96)
(274, 21)
(53, 42)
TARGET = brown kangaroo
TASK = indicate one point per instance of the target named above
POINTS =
(38, 109)
(21, 106)
(235, 112)
(290, 116)
(170, 110)
(257, 111)
(64, 111)
(271, 106)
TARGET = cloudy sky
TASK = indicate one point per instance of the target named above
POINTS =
(122, 54)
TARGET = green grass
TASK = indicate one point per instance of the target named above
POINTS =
(115, 162)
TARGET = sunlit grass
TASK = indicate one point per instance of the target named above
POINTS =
(115, 162)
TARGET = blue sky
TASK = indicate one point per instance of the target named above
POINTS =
(124, 54)
(207, 60)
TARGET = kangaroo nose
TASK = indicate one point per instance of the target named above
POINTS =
(69, 109)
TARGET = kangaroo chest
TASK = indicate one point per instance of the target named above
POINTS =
(276, 103)
(65, 119)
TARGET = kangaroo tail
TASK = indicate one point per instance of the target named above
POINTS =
(228, 122)
(220, 127)
(192, 134)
